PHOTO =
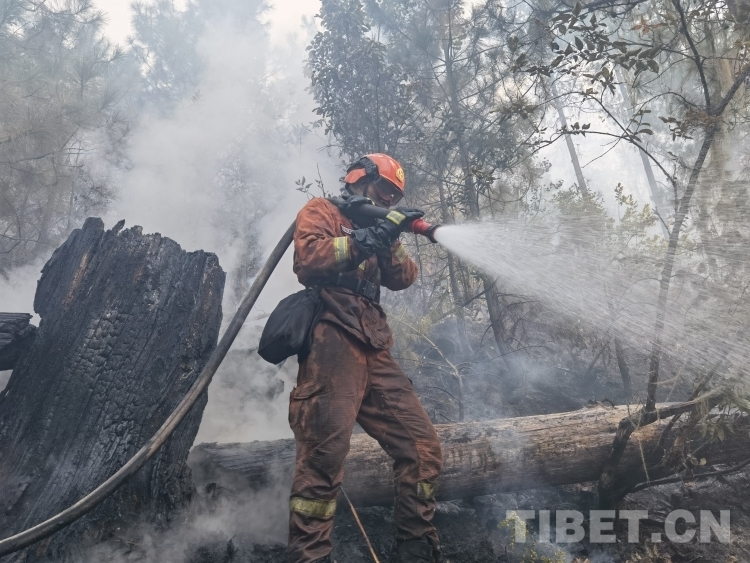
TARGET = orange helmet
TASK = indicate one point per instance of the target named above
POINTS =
(376, 166)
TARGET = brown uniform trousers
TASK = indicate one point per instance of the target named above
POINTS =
(351, 376)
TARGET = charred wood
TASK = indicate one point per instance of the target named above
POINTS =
(15, 335)
(127, 323)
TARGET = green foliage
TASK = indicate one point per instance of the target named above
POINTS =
(165, 39)
(60, 83)
(365, 100)
(164, 44)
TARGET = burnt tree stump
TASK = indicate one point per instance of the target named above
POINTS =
(15, 335)
(127, 323)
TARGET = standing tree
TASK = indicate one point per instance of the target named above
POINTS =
(442, 118)
(60, 83)
(655, 45)
(365, 99)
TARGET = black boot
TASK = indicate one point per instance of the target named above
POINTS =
(326, 559)
(417, 551)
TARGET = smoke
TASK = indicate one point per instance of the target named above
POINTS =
(205, 174)
(17, 290)
(17, 296)
(248, 400)
(226, 522)
(218, 173)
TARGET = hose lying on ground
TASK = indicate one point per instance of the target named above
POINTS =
(98, 495)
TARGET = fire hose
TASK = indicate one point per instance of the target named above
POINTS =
(98, 495)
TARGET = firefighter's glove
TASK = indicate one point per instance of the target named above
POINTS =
(403, 216)
(352, 202)
(376, 239)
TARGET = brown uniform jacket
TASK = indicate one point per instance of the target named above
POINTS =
(323, 249)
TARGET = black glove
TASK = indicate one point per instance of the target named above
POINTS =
(352, 202)
(376, 239)
(403, 216)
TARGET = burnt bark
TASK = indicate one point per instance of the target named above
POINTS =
(127, 323)
(480, 458)
(15, 336)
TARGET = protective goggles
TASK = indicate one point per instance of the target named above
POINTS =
(387, 191)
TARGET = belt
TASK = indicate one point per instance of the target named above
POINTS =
(359, 286)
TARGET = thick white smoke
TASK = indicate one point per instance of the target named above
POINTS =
(219, 169)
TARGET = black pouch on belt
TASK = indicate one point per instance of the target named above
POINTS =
(289, 328)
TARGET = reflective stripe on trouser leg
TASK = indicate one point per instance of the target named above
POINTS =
(322, 411)
(312, 507)
(400, 254)
(426, 490)
(310, 527)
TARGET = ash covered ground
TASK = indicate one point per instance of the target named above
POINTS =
(224, 525)
(472, 530)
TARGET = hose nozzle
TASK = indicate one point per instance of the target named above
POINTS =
(417, 226)
(422, 227)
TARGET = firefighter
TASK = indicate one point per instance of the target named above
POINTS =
(350, 375)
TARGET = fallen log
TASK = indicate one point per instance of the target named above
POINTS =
(15, 335)
(127, 323)
(480, 457)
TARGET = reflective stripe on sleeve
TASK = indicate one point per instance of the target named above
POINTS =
(312, 507)
(396, 216)
(341, 249)
(400, 254)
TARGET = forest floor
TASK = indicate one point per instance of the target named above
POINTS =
(472, 530)
(224, 526)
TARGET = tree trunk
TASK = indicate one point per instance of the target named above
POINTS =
(569, 142)
(622, 364)
(15, 335)
(659, 205)
(480, 457)
(452, 278)
(495, 311)
(494, 307)
(127, 323)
